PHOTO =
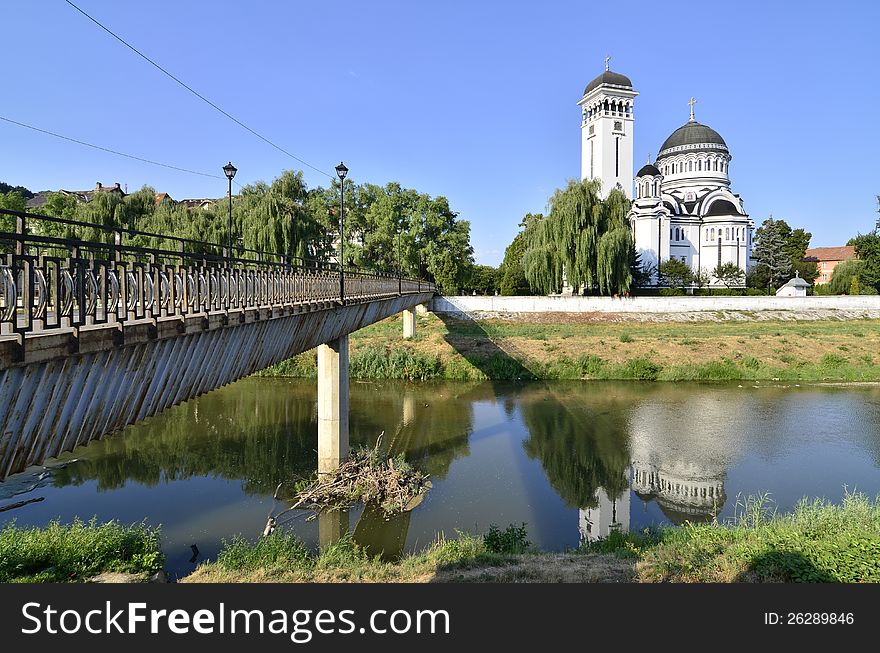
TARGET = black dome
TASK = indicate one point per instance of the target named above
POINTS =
(648, 170)
(608, 77)
(693, 133)
(723, 207)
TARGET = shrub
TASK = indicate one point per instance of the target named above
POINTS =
(511, 541)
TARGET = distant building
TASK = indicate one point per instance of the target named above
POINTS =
(796, 287)
(827, 258)
(164, 197)
(202, 203)
(42, 197)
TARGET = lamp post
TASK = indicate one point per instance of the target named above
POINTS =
(229, 170)
(341, 171)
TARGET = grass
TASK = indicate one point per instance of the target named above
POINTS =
(499, 556)
(76, 552)
(818, 542)
(781, 350)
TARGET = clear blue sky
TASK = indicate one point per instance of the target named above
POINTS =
(474, 101)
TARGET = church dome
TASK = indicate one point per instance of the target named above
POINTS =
(608, 77)
(648, 170)
(693, 134)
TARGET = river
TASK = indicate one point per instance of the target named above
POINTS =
(571, 460)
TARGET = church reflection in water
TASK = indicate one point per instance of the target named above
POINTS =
(678, 461)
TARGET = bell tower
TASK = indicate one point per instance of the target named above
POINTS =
(607, 131)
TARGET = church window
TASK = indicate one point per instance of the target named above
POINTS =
(618, 125)
(699, 165)
(690, 166)
(670, 233)
(617, 157)
(727, 234)
(655, 188)
(715, 165)
(592, 129)
(713, 233)
(591, 159)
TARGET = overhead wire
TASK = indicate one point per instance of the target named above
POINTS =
(194, 92)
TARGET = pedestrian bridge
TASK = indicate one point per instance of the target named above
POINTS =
(112, 326)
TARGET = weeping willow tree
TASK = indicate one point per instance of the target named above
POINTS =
(583, 241)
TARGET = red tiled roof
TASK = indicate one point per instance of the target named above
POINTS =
(831, 253)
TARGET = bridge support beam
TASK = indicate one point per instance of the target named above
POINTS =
(409, 322)
(332, 527)
(332, 404)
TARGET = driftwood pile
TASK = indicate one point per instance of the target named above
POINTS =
(370, 477)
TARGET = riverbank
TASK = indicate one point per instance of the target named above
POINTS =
(598, 349)
(818, 542)
(79, 552)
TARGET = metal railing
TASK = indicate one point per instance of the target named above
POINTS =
(51, 282)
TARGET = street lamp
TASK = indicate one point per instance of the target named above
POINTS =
(229, 170)
(341, 171)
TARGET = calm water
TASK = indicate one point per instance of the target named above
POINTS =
(571, 460)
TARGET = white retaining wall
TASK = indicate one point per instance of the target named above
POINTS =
(685, 304)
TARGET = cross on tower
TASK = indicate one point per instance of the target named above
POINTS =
(692, 102)
(607, 60)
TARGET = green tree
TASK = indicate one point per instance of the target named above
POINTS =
(11, 201)
(867, 248)
(641, 273)
(774, 264)
(584, 238)
(849, 279)
(21, 190)
(675, 273)
(482, 279)
(730, 274)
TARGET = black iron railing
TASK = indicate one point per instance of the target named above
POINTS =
(49, 281)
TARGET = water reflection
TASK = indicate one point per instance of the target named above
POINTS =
(572, 460)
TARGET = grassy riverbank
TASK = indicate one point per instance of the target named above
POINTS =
(818, 542)
(745, 350)
(77, 552)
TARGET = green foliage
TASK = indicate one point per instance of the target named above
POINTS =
(513, 276)
(585, 238)
(779, 252)
(513, 540)
(867, 248)
(21, 190)
(483, 280)
(625, 337)
(730, 274)
(851, 278)
(76, 552)
(386, 228)
(675, 273)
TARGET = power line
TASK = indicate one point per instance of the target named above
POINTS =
(107, 149)
(194, 92)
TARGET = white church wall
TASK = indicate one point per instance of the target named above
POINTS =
(464, 306)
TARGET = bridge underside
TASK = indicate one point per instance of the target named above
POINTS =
(54, 401)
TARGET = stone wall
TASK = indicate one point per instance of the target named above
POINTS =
(471, 305)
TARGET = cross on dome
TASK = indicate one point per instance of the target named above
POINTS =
(607, 62)
(692, 102)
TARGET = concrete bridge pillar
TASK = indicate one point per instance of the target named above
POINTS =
(409, 323)
(332, 404)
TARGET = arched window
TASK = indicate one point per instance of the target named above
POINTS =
(690, 166)
(670, 233)
(713, 233)
(699, 165)
(727, 234)
(655, 188)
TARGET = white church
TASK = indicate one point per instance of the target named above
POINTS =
(683, 206)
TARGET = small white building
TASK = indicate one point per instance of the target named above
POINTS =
(683, 206)
(796, 287)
